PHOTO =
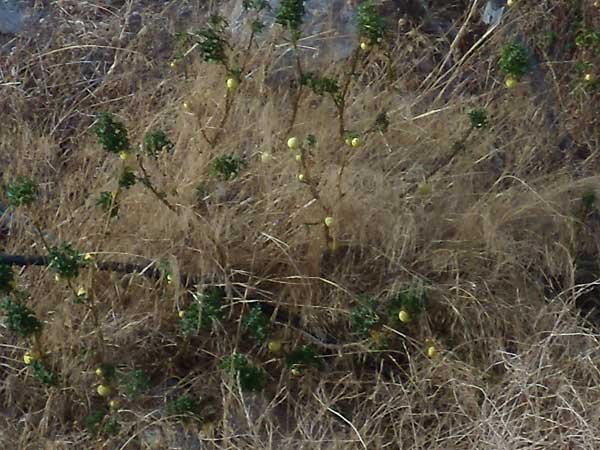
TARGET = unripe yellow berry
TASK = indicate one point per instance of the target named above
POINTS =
(186, 105)
(232, 83)
(293, 143)
(99, 372)
(103, 390)
(30, 356)
(299, 157)
(296, 371)
(114, 404)
(265, 157)
(124, 156)
(425, 189)
(88, 257)
(510, 82)
(365, 46)
(274, 346)
(57, 278)
(81, 292)
(404, 316)
(301, 177)
(348, 141)
(431, 351)
(588, 77)
(328, 221)
(356, 142)
(181, 314)
(173, 64)
(510, 3)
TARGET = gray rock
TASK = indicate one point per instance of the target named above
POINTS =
(11, 17)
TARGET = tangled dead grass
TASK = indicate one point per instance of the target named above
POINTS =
(499, 240)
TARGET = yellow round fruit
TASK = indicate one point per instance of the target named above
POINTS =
(57, 278)
(103, 390)
(365, 46)
(296, 371)
(30, 356)
(328, 221)
(510, 82)
(274, 346)
(232, 83)
(348, 141)
(114, 404)
(425, 189)
(181, 314)
(431, 351)
(510, 3)
(124, 156)
(169, 278)
(173, 64)
(265, 157)
(186, 105)
(293, 143)
(588, 77)
(299, 157)
(356, 142)
(597, 3)
(99, 372)
(88, 257)
(81, 292)
(404, 316)
(301, 177)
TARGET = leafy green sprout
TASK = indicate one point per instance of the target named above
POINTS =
(303, 357)
(155, 142)
(370, 23)
(204, 311)
(364, 318)
(128, 178)
(7, 279)
(112, 134)
(514, 60)
(382, 123)
(226, 167)
(411, 299)
(21, 192)
(322, 86)
(210, 41)
(183, 405)
(136, 383)
(258, 324)
(65, 260)
(20, 319)
(588, 199)
(99, 422)
(478, 118)
(43, 373)
(105, 201)
(290, 15)
(251, 378)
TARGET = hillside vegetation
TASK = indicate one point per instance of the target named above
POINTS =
(237, 226)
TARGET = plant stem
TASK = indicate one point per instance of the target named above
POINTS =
(151, 187)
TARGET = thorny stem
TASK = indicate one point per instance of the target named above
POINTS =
(151, 187)
(299, 76)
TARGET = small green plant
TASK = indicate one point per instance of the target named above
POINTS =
(127, 179)
(514, 61)
(370, 24)
(303, 357)
(382, 123)
(478, 118)
(136, 383)
(364, 318)
(204, 311)
(322, 86)
(21, 192)
(210, 41)
(258, 324)
(410, 300)
(226, 167)
(251, 378)
(7, 279)
(20, 319)
(43, 373)
(290, 15)
(112, 134)
(106, 201)
(156, 142)
(588, 199)
(99, 422)
(65, 260)
(183, 405)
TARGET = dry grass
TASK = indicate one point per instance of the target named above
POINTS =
(500, 241)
